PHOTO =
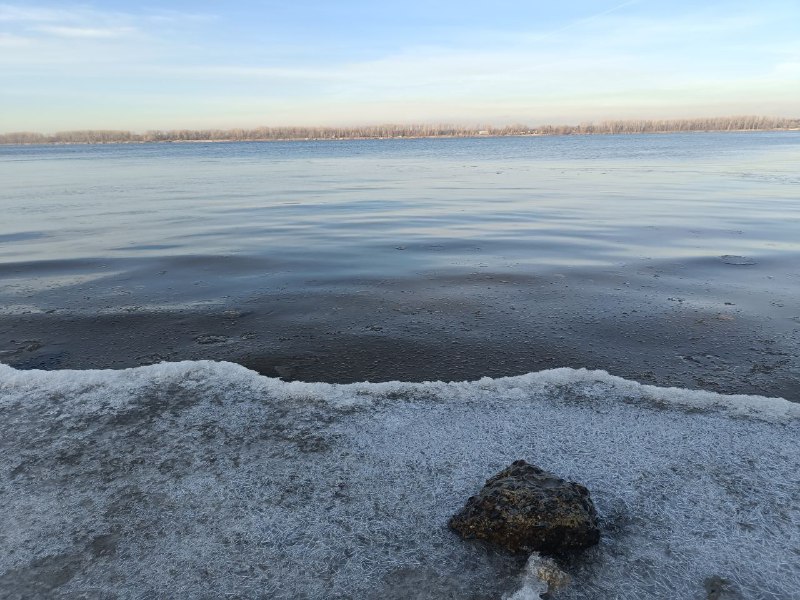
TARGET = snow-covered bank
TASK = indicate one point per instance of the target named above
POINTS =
(200, 479)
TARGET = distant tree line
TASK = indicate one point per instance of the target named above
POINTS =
(743, 123)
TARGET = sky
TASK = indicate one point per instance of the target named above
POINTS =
(142, 65)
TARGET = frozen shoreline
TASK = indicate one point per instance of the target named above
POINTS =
(202, 478)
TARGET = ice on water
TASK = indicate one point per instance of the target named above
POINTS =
(204, 479)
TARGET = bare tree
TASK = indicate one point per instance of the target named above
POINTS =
(639, 126)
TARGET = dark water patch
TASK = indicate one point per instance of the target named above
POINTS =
(730, 259)
(58, 267)
(22, 235)
(690, 324)
(140, 247)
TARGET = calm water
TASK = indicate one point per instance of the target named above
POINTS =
(671, 259)
(665, 259)
(325, 211)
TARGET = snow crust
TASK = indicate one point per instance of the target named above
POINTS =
(204, 479)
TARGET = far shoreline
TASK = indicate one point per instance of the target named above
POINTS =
(741, 124)
(398, 137)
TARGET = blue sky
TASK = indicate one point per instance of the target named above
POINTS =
(139, 65)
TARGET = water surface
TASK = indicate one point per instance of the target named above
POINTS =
(681, 248)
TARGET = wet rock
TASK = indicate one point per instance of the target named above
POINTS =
(524, 508)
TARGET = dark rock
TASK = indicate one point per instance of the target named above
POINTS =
(718, 588)
(524, 508)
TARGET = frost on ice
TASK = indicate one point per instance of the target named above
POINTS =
(202, 479)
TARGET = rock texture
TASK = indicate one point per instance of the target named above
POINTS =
(524, 508)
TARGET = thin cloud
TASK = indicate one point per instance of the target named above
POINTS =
(83, 21)
(174, 16)
(10, 13)
(86, 32)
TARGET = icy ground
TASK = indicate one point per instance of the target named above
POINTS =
(206, 480)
